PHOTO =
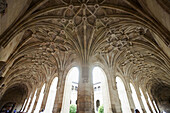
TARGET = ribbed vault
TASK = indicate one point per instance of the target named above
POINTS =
(61, 33)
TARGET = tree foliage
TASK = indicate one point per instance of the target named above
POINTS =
(101, 109)
(73, 109)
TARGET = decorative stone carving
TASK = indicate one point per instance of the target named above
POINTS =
(3, 6)
(110, 32)
(140, 65)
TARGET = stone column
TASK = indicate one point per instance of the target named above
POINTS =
(114, 97)
(139, 98)
(36, 100)
(31, 100)
(46, 92)
(85, 90)
(59, 94)
(129, 94)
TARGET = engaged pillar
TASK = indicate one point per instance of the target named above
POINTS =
(59, 94)
(129, 94)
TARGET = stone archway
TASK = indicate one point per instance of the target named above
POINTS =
(135, 98)
(101, 91)
(51, 96)
(144, 101)
(40, 99)
(123, 96)
(123, 33)
(68, 89)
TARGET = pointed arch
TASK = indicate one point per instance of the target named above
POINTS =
(101, 90)
(29, 100)
(73, 75)
(33, 101)
(51, 96)
(123, 96)
(150, 102)
(144, 101)
(40, 99)
(135, 98)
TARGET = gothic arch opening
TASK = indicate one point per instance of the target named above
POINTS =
(150, 103)
(70, 89)
(144, 101)
(129, 37)
(51, 96)
(122, 96)
(101, 91)
(40, 99)
(135, 99)
(32, 102)
(29, 101)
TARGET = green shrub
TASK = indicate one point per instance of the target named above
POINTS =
(73, 109)
(101, 109)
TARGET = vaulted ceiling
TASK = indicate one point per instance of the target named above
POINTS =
(123, 35)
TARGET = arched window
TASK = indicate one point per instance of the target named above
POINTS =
(51, 96)
(123, 96)
(97, 104)
(32, 103)
(40, 99)
(144, 101)
(150, 103)
(135, 98)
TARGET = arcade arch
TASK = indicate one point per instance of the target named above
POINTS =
(123, 96)
(40, 99)
(71, 78)
(144, 101)
(51, 96)
(32, 102)
(101, 91)
(135, 98)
